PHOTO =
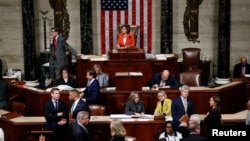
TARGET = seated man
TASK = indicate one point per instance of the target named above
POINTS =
(125, 38)
(164, 80)
(241, 68)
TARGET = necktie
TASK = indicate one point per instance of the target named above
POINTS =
(85, 129)
(243, 70)
(56, 105)
(88, 83)
(185, 104)
(72, 107)
(162, 83)
(55, 44)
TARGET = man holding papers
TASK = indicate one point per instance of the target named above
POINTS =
(181, 110)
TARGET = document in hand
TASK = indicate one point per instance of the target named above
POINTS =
(184, 118)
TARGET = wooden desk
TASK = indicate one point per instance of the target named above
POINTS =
(34, 99)
(16, 128)
(147, 67)
(128, 54)
(235, 118)
(142, 129)
(133, 81)
(232, 95)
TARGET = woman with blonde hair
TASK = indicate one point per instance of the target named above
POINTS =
(118, 132)
(163, 107)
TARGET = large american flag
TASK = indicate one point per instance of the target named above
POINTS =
(135, 12)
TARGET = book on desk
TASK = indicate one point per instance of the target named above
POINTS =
(10, 115)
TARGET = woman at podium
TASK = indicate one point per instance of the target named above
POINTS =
(125, 38)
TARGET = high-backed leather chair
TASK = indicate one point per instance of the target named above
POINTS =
(18, 107)
(133, 29)
(97, 110)
(190, 78)
(191, 58)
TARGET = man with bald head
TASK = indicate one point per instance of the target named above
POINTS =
(164, 80)
(241, 68)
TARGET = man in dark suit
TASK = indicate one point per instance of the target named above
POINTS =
(164, 80)
(58, 57)
(92, 91)
(194, 129)
(241, 68)
(181, 109)
(77, 105)
(79, 130)
(55, 113)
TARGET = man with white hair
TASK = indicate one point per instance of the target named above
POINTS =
(241, 68)
(194, 129)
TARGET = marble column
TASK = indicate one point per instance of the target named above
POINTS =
(224, 39)
(86, 27)
(166, 26)
(29, 40)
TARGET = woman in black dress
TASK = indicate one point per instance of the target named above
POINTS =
(213, 117)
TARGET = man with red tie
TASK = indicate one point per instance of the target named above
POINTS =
(58, 57)
(241, 68)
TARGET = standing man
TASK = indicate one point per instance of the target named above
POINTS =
(92, 91)
(56, 116)
(58, 57)
(241, 68)
(181, 110)
(79, 130)
(77, 105)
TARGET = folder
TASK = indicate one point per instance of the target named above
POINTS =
(184, 118)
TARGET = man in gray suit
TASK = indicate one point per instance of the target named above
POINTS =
(58, 57)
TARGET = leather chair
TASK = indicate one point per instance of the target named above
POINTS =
(191, 58)
(97, 110)
(190, 78)
(133, 29)
(130, 138)
(18, 107)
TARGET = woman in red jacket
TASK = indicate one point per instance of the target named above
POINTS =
(125, 38)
